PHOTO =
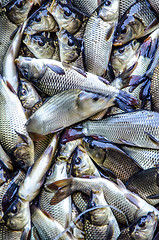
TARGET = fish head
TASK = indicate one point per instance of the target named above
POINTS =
(27, 94)
(98, 216)
(66, 16)
(144, 228)
(81, 163)
(17, 215)
(128, 29)
(70, 47)
(96, 149)
(90, 103)
(124, 55)
(109, 10)
(40, 46)
(30, 68)
(24, 152)
(41, 21)
(17, 10)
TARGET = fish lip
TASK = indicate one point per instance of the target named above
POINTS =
(117, 43)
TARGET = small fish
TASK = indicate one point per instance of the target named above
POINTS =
(41, 21)
(27, 94)
(40, 71)
(98, 37)
(40, 46)
(142, 228)
(66, 17)
(76, 106)
(155, 90)
(138, 129)
(70, 47)
(100, 223)
(111, 157)
(145, 183)
(137, 22)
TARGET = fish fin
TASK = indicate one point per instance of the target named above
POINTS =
(72, 133)
(56, 69)
(80, 71)
(23, 137)
(120, 183)
(145, 92)
(48, 215)
(153, 197)
(132, 198)
(102, 170)
(110, 33)
(152, 25)
(26, 233)
(127, 98)
(104, 80)
(134, 79)
(153, 139)
(127, 142)
(110, 230)
(36, 136)
(11, 88)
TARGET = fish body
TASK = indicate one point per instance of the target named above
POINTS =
(139, 129)
(14, 137)
(154, 89)
(98, 37)
(154, 4)
(6, 233)
(76, 106)
(124, 6)
(135, 23)
(40, 46)
(111, 157)
(87, 7)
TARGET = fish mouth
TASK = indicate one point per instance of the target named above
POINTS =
(117, 43)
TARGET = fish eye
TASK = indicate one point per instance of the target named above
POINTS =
(19, 4)
(95, 99)
(123, 30)
(49, 172)
(14, 209)
(92, 204)
(41, 43)
(77, 160)
(23, 92)
(108, 3)
(70, 42)
(91, 146)
(38, 19)
(67, 13)
(21, 163)
(121, 50)
(142, 223)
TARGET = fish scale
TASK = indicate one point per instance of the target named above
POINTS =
(127, 128)
(155, 89)
(86, 7)
(6, 233)
(124, 5)
(95, 232)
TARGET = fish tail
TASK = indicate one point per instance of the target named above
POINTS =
(126, 101)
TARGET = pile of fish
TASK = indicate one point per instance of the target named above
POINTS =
(79, 119)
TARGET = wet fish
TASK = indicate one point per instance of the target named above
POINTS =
(154, 89)
(76, 106)
(145, 183)
(100, 223)
(138, 21)
(143, 228)
(60, 78)
(47, 227)
(27, 94)
(98, 37)
(138, 129)
(111, 157)
(146, 158)
(14, 137)
(7, 29)
(12, 53)
(66, 16)
(41, 21)
(71, 48)
(87, 7)
(41, 47)
(116, 195)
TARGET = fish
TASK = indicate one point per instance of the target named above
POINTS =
(41, 21)
(12, 53)
(77, 105)
(82, 164)
(60, 78)
(42, 47)
(27, 94)
(17, 11)
(138, 21)
(145, 157)
(6, 160)
(6, 233)
(61, 212)
(116, 195)
(87, 7)
(100, 223)
(143, 228)
(7, 28)
(70, 47)
(154, 5)
(124, 6)
(17, 216)
(13, 134)
(5, 173)
(66, 16)
(145, 184)
(137, 129)
(98, 37)
(47, 227)
(111, 157)
(154, 89)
